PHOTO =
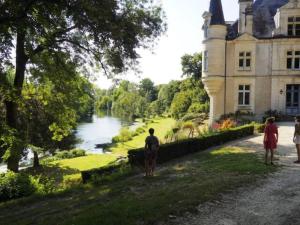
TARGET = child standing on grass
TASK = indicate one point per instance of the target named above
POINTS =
(296, 138)
(270, 139)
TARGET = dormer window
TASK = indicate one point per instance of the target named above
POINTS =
(294, 26)
(245, 61)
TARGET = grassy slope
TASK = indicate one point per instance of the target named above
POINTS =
(161, 127)
(178, 187)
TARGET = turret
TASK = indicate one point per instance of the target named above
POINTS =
(215, 32)
(242, 14)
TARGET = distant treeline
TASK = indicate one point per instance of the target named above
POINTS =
(144, 99)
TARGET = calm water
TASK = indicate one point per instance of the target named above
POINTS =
(99, 131)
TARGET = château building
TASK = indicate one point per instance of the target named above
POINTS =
(253, 64)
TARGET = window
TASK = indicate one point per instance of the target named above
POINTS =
(245, 60)
(294, 26)
(293, 60)
(292, 95)
(205, 31)
(244, 95)
(205, 61)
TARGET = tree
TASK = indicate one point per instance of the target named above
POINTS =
(54, 99)
(180, 104)
(167, 93)
(104, 33)
(192, 65)
(147, 89)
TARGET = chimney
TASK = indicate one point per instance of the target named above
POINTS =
(249, 20)
(242, 14)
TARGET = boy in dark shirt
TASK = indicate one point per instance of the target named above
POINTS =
(151, 148)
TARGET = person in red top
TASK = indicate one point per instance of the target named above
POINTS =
(270, 139)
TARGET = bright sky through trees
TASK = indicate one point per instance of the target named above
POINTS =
(184, 35)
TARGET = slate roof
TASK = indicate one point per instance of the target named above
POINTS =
(216, 10)
(263, 18)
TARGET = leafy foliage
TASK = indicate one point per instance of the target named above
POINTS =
(16, 185)
(192, 65)
(66, 35)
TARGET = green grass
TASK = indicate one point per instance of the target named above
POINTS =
(178, 186)
(86, 162)
(161, 127)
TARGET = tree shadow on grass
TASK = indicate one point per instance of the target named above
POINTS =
(53, 172)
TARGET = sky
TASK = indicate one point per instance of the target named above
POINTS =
(184, 36)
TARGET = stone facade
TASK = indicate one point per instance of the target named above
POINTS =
(243, 71)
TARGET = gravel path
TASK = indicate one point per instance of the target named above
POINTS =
(275, 200)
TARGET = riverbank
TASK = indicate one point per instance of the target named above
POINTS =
(161, 127)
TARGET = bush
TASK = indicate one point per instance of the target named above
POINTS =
(194, 116)
(69, 154)
(259, 127)
(178, 149)
(227, 124)
(197, 107)
(272, 113)
(106, 173)
(140, 130)
(16, 185)
(124, 135)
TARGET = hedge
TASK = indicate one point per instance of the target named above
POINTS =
(100, 172)
(180, 148)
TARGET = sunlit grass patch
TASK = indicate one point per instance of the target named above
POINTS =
(86, 162)
(228, 150)
(161, 127)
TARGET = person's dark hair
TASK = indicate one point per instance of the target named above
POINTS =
(151, 131)
(297, 118)
(270, 120)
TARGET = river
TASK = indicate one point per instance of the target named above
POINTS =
(99, 131)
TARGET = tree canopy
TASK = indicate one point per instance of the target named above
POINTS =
(102, 34)
(192, 65)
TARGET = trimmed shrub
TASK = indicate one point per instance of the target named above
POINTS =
(106, 173)
(180, 148)
(124, 135)
(16, 185)
(69, 154)
(259, 127)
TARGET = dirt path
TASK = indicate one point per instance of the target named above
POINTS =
(275, 200)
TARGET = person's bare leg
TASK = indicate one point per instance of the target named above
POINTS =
(298, 151)
(266, 156)
(272, 156)
(153, 165)
(147, 167)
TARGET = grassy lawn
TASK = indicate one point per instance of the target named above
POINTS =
(86, 162)
(161, 127)
(178, 186)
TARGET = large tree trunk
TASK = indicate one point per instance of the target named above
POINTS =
(36, 161)
(11, 105)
